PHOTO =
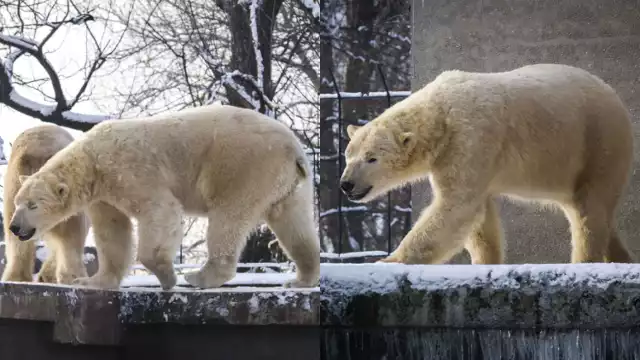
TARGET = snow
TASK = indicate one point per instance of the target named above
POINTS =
(384, 277)
(346, 209)
(44, 109)
(18, 42)
(10, 60)
(88, 257)
(353, 254)
(240, 265)
(42, 253)
(85, 118)
(239, 279)
(313, 6)
(256, 42)
(373, 94)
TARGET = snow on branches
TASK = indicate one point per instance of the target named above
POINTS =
(59, 112)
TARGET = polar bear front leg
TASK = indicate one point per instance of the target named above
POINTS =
(439, 233)
(112, 234)
(20, 257)
(226, 236)
(160, 235)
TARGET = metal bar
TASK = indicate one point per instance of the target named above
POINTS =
(339, 97)
(371, 95)
(386, 88)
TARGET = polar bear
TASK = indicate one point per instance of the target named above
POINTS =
(30, 150)
(546, 133)
(234, 166)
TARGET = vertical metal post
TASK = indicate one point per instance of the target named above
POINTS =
(337, 90)
(386, 89)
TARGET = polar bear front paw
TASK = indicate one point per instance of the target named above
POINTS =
(202, 280)
(392, 258)
(97, 282)
(296, 283)
(46, 277)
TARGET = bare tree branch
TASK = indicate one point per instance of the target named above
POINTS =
(61, 111)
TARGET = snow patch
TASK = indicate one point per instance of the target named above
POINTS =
(178, 297)
(313, 6)
(19, 42)
(373, 94)
(256, 41)
(42, 253)
(85, 118)
(44, 109)
(89, 257)
(352, 255)
(239, 279)
(383, 278)
(254, 304)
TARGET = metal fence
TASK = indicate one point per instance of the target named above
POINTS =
(342, 212)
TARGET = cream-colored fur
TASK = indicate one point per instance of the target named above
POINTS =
(544, 132)
(234, 166)
(30, 150)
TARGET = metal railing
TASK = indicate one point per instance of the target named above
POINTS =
(341, 98)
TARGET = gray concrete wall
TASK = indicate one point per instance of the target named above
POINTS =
(602, 36)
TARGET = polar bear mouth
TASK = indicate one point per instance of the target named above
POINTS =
(360, 195)
(24, 236)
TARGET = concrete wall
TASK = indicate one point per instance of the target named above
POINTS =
(602, 36)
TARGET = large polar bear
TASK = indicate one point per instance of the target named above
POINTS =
(234, 166)
(30, 150)
(544, 132)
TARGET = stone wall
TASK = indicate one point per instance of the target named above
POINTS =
(444, 312)
(600, 36)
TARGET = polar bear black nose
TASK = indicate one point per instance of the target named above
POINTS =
(15, 229)
(347, 186)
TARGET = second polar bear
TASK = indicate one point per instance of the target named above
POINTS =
(234, 166)
(546, 132)
(29, 151)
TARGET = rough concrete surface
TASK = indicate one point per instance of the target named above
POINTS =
(569, 296)
(601, 36)
(85, 316)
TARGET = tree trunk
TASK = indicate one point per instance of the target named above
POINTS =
(243, 57)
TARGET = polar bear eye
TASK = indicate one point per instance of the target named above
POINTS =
(372, 160)
(31, 205)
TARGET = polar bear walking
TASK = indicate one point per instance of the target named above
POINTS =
(29, 151)
(545, 132)
(234, 166)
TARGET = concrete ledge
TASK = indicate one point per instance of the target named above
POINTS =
(567, 296)
(86, 316)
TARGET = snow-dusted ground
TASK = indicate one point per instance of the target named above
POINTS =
(353, 255)
(241, 279)
(383, 277)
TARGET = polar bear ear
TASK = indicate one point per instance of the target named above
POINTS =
(22, 178)
(406, 140)
(351, 130)
(62, 190)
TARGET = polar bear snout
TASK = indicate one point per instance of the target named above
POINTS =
(347, 186)
(353, 191)
(20, 225)
(23, 233)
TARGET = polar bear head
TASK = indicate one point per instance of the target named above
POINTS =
(40, 204)
(377, 158)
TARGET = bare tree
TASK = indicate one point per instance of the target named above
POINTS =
(27, 29)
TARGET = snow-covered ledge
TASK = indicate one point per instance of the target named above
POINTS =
(84, 316)
(569, 296)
